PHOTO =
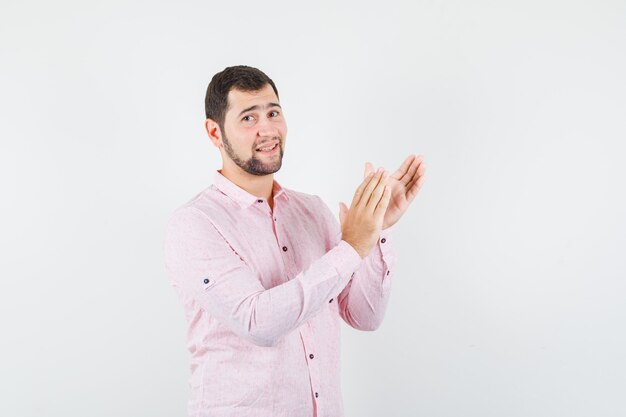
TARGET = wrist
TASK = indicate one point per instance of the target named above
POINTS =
(359, 250)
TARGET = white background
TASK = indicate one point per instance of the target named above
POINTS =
(509, 294)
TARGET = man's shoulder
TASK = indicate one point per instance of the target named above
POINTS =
(299, 195)
(208, 202)
(311, 206)
(301, 198)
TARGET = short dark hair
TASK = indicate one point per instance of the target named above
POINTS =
(240, 77)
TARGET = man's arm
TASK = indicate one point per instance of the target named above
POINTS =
(203, 266)
(363, 302)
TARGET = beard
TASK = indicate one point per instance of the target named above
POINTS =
(254, 165)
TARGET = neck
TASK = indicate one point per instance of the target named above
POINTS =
(257, 185)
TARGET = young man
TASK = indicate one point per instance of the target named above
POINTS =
(264, 272)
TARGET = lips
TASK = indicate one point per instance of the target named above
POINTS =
(267, 145)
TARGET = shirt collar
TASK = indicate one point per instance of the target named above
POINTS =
(241, 196)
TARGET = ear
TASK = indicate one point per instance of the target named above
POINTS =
(213, 130)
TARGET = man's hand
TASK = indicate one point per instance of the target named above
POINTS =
(362, 223)
(405, 184)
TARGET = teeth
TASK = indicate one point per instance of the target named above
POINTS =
(267, 149)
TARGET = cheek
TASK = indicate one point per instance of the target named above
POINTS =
(246, 140)
(243, 145)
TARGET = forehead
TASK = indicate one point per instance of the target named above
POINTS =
(239, 100)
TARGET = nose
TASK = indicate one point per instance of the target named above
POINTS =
(267, 128)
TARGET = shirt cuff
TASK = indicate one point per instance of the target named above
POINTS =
(345, 259)
(384, 243)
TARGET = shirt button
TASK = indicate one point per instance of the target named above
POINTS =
(274, 218)
(387, 272)
(284, 248)
(311, 356)
(206, 280)
(259, 201)
(331, 300)
(383, 240)
(316, 395)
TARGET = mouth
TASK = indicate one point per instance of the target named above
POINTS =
(269, 149)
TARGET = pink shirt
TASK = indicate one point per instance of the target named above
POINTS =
(262, 292)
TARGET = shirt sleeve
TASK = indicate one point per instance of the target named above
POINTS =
(363, 302)
(202, 265)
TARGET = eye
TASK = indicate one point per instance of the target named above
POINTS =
(274, 113)
(247, 118)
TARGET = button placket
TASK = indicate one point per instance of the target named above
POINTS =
(278, 235)
(314, 371)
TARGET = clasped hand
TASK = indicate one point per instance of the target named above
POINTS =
(379, 202)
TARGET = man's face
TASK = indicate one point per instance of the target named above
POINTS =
(254, 120)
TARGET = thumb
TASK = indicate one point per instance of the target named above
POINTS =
(343, 212)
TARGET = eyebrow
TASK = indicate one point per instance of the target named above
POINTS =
(257, 107)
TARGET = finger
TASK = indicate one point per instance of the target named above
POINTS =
(365, 197)
(410, 174)
(382, 205)
(403, 168)
(368, 168)
(342, 213)
(418, 173)
(359, 191)
(414, 189)
(377, 192)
